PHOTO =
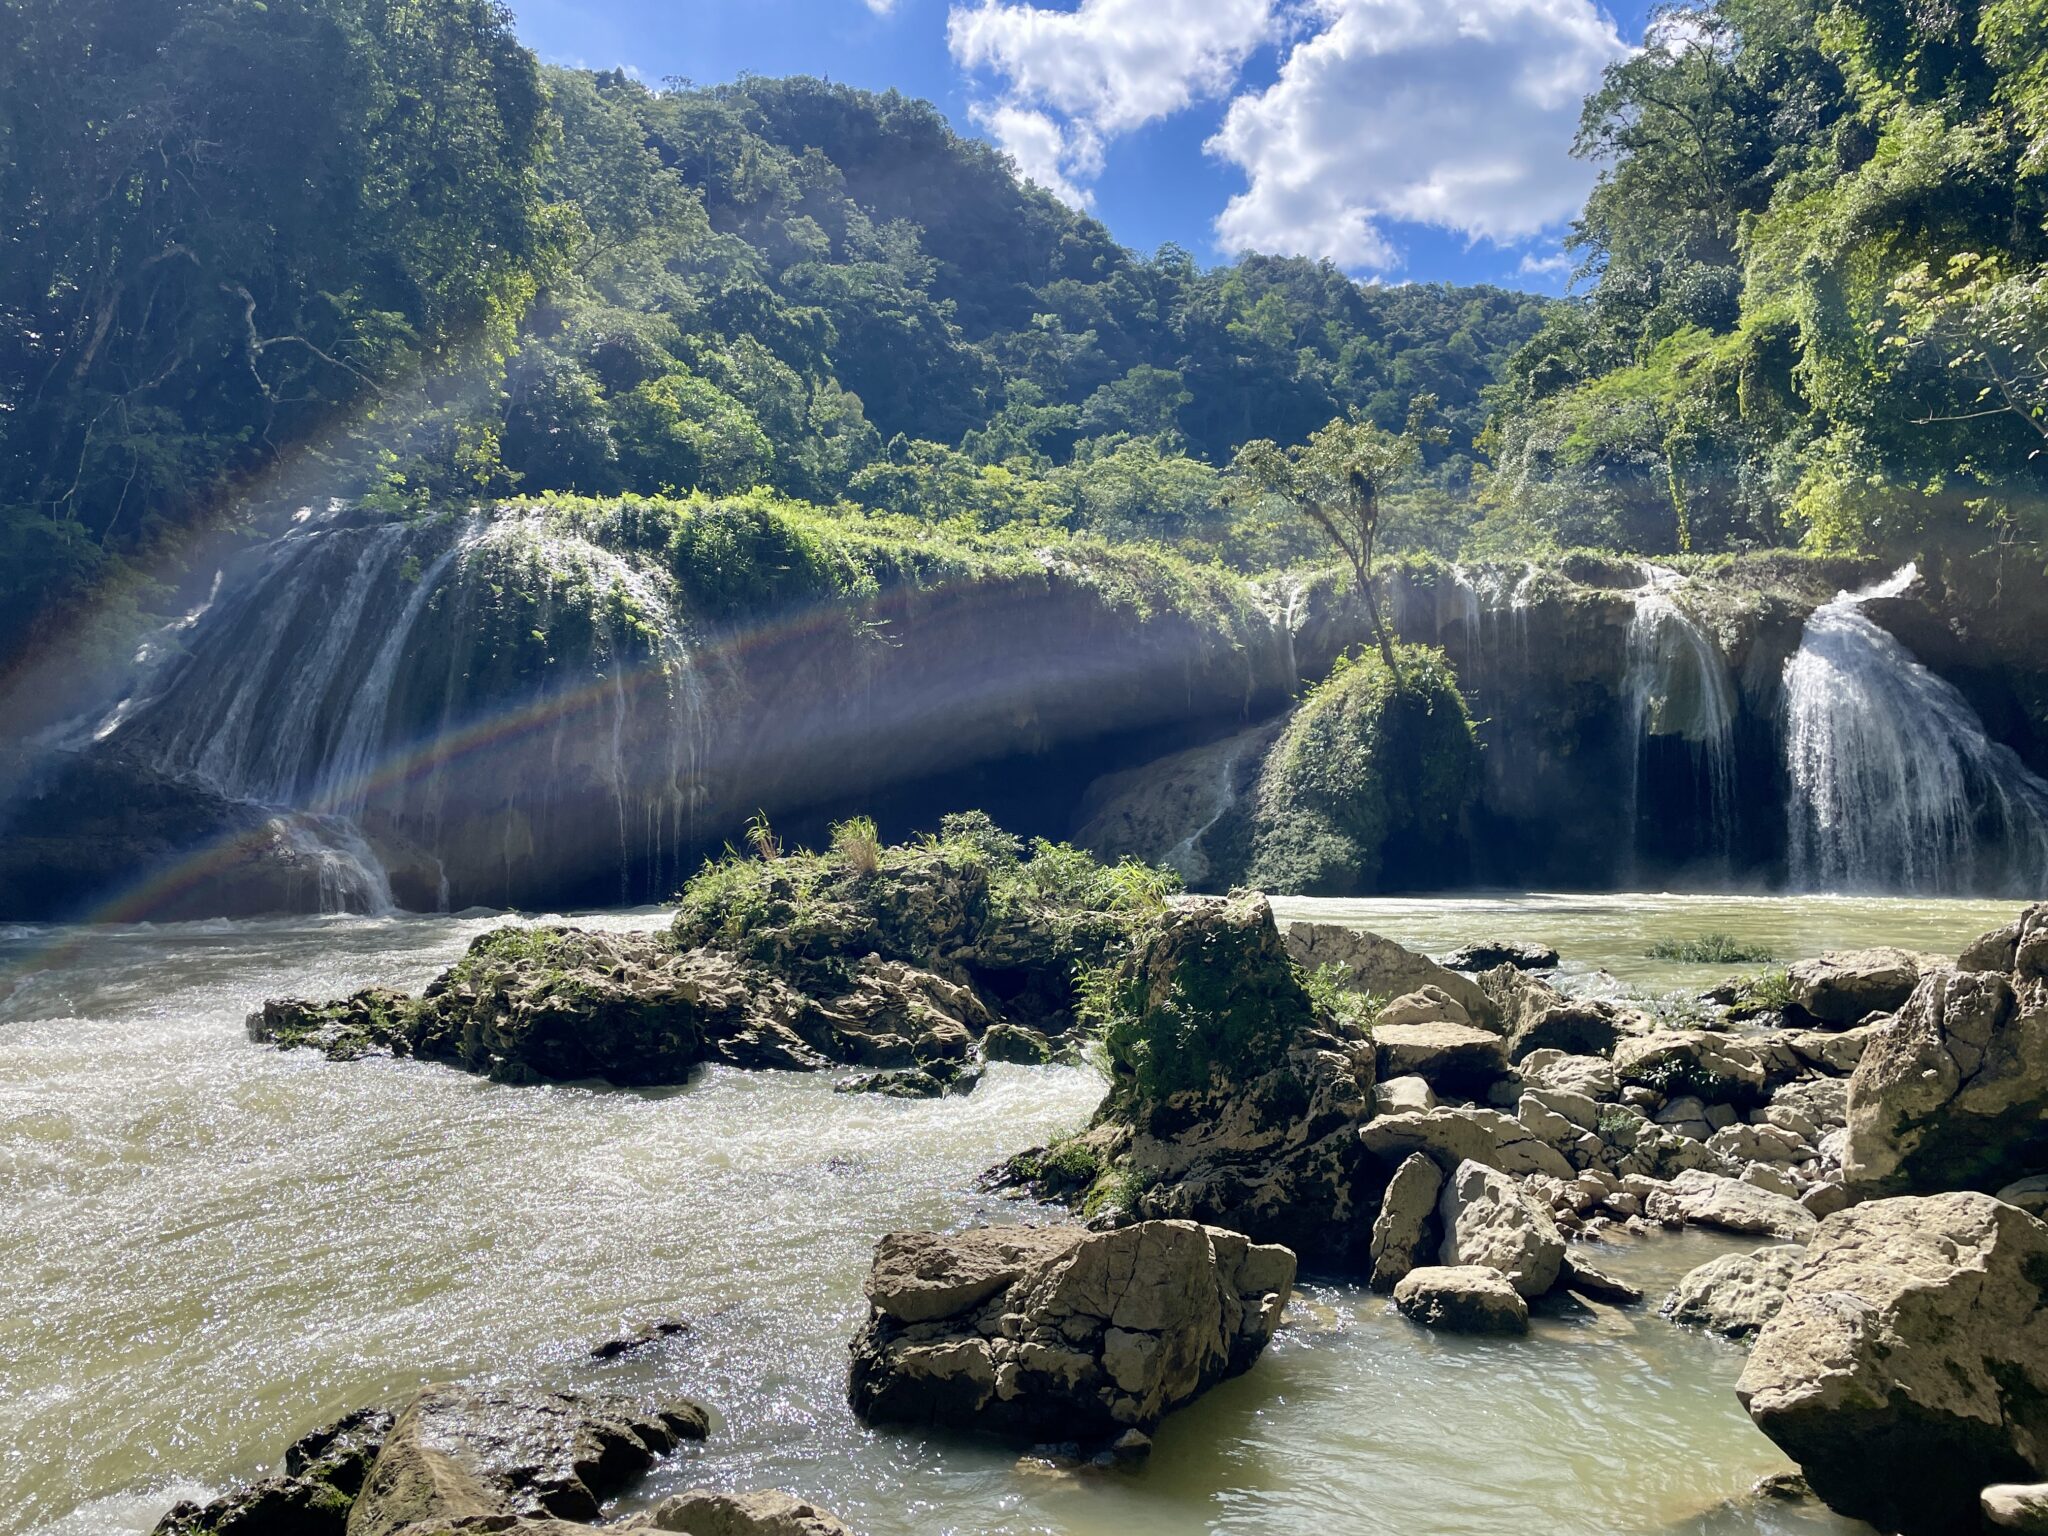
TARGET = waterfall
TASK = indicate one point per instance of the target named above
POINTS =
(1677, 688)
(1895, 786)
(390, 684)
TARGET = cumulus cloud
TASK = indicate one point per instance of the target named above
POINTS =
(1555, 264)
(881, 7)
(1071, 81)
(1453, 113)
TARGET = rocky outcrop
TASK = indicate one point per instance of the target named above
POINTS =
(1953, 1092)
(1737, 1293)
(1487, 956)
(459, 1452)
(452, 1457)
(1379, 967)
(2021, 1507)
(1235, 1100)
(944, 954)
(323, 1473)
(1468, 1298)
(1908, 1367)
(1060, 1334)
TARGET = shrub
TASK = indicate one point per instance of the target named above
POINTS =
(1712, 949)
(1768, 991)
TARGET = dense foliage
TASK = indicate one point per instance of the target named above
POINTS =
(259, 254)
(1820, 240)
(1365, 787)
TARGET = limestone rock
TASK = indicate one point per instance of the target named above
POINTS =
(2029, 1194)
(1098, 1333)
(1401, 1231)
(1016, 1043)
(1842, 988)
(1593, 1077)
(1455, 1135)
(1428, 1005)
(704, 1512)
(458, 1452)
(1737, 1293)
(2021, 1507)
(1381, 968)
(1908, 1367)
(1488, 1220)
(1452, 1058)
(1718, 1069)
(323, 1473)
(1402, 1096)
(1705, 1199)
(1953, 1092)
(1486, 957)
(1585, 1279)
(1462, 1299)
(918, 1276)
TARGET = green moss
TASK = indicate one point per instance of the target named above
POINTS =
(1119, 1188)
(1370, 766)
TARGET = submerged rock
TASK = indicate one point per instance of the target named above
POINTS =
(1469, 1298)
(705, 1512)
(1908, 1366)
(1486, 956)
(1057, 1334)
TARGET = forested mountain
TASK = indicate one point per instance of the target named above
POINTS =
(371, 247)
(1821, 309)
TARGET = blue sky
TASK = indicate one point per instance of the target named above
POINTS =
(1407, 140)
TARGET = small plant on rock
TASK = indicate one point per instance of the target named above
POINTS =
(858, 844)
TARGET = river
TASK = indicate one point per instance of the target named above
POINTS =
(211, 1246)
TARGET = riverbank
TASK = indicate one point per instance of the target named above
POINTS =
(228, 1245)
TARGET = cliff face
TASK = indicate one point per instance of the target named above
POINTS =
(532, 708)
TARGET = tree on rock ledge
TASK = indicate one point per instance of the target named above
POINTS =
(1336, 480)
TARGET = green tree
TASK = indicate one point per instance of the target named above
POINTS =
(1338, 480)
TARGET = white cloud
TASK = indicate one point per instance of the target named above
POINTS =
(1071, 81)
(881, 7)
(1556, 264)
(1453, 113)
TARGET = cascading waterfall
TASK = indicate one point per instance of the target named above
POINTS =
(344, 681)
(1895, 785)
(1678, 689)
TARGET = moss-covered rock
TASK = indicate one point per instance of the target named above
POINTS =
(1367, 783)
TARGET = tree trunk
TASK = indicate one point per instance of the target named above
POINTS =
(1372, 601)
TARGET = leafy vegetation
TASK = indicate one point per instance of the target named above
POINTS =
(364, 249)
(1712, 949)
(1820, 240)
(1368, 779)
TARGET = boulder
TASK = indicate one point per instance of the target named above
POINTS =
(1842, 988)
(1090, 1335)
(2021, 1507)
(1401, 1233)
(1578, 1026)
(1429, 1005)
(1737, 1293)
(1462, 1299)
(1908, 1367)
(1455, 1135)
(1452, 1058)
(1717, 1069)
(1381, 968)
(1593, 1077)
(1486, 957)
(1016, 1043)
(1402, 1096)
(1953, 1091)
(1704, 1199)
(703, 1512)
(1585, 1279)
(456, 1453)
(1488, 1220)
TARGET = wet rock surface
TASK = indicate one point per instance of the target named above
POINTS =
(1462, 1299)
(1059, 1334)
